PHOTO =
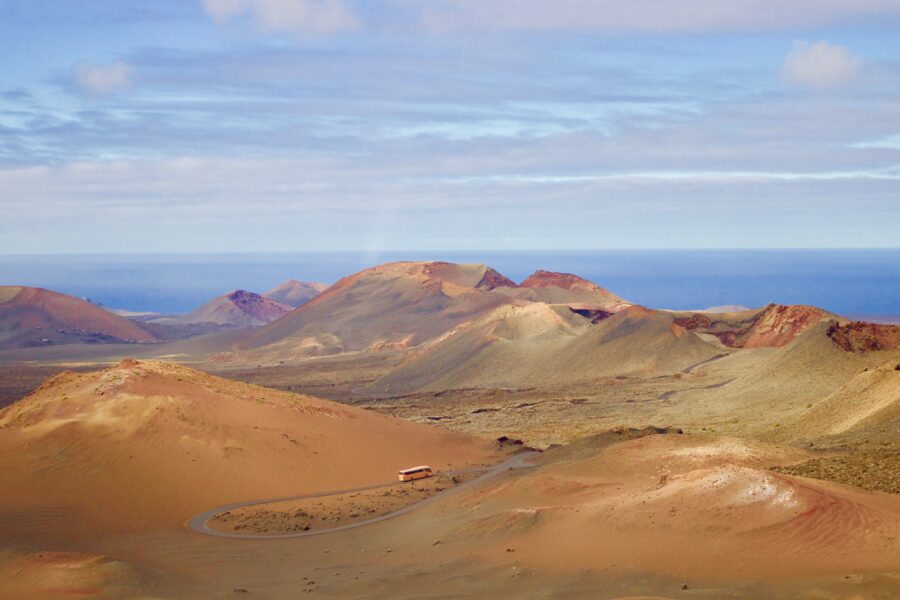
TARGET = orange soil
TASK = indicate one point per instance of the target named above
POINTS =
(146, 445)
(52, 575)
(674, 505)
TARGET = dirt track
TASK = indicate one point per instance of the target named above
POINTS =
(200, 522)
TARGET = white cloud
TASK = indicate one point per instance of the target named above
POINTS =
(820, 65)
(289, 16)
(103, 79)
(194, 204)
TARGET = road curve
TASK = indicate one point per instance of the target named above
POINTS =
(199, 522)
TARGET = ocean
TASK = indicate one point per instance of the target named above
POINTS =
(848, 282)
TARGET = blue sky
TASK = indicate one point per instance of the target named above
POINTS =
(268, 125)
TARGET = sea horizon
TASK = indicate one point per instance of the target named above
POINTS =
(853, 282)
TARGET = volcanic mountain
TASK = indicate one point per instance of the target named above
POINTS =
(295, 293)
(144, 445)
(393, 305)
(239, 308)
(540, 344)
(405, 304)
(35, 316)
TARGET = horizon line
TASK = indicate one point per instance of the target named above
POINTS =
(454, 251)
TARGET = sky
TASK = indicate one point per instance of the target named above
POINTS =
(129, 126)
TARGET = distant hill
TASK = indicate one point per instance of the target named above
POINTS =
(726, 308)
(540, 344)
(35, 316)
(811, 380)
(295, 293)
(239, 308)
(501, 348)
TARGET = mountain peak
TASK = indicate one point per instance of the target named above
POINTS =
(295, 293)
(494, 279)
(239, 308)
(541, 278)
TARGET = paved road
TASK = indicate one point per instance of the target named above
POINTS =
(199, 523)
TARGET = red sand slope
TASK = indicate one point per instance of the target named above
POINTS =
(145, 445)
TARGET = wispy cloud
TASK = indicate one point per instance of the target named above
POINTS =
(648, 16)
(395, 134)
(318, 203)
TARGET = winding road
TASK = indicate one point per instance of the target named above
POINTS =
(200, 522)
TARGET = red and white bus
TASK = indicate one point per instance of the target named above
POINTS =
(416, 473)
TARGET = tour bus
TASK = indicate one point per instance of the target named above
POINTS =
(416, 473)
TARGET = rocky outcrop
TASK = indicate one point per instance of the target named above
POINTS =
(778, 325)
(256, 306)
(494, 279)
(865, 337)
(774, 326)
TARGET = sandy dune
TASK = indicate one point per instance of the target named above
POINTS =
(52, 575)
